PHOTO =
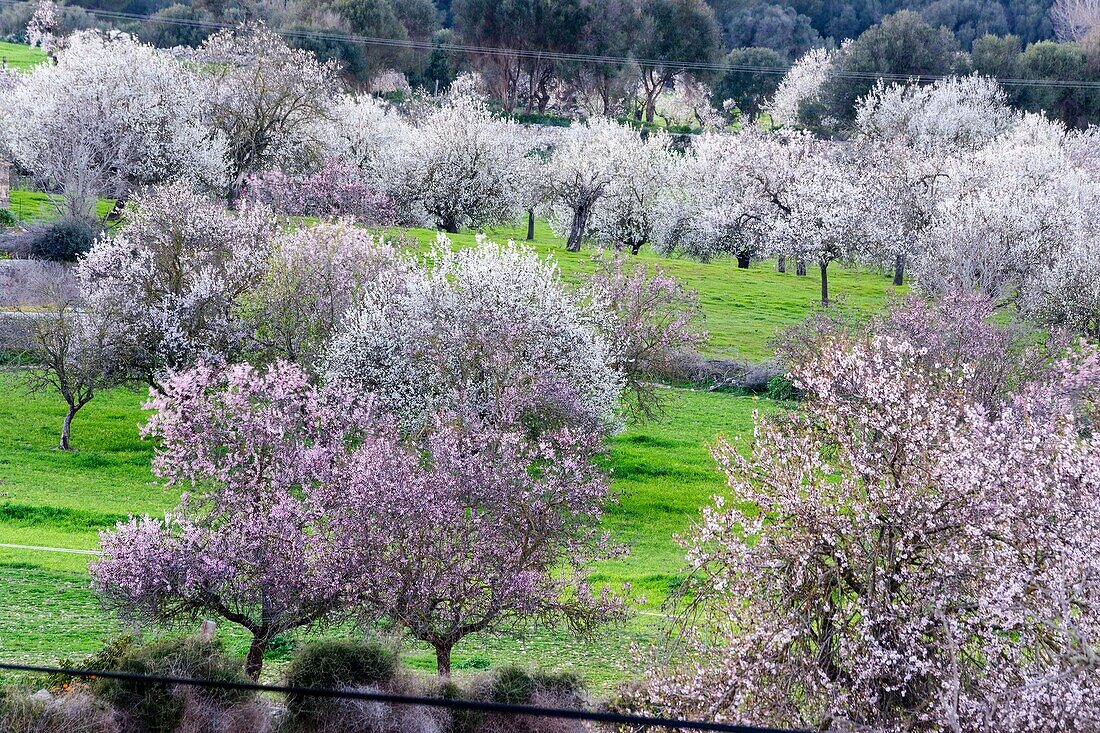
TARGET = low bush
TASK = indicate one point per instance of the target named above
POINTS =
(336, 663)
(158, 708)
(518, 686)
(7, 219)
(780, 388)
(75, 712)
(63, 240)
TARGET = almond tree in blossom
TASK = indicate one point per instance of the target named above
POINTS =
(251, 541)
(110, 116)
(169, 280)
(265, 100)
(488, 333)
(584, 163)
(898, 556)
(304, 507)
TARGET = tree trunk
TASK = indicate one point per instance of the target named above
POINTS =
(66, 428)
(824, 284)
(531, 87)
(742, 261)
(781, 264)
(116, 211)
(451, 227)
(576, 231)
(254, 662)
(800, 267)
(899, 269)
(443, 660)
(636, 248)
(530, 224)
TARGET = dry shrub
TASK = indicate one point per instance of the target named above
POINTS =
(201, 714)
(76, 712)
(365, 716)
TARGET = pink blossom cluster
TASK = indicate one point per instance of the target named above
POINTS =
(303, 506)
(334, 190)
(898, 556)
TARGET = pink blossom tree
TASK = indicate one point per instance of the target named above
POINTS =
(649, 318)
(251, 542)
(335, 189)
(304, 507)
(312, 281)
(898, 557)
(488, 533)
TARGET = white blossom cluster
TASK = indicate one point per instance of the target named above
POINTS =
(110, 115)
(802, 83)
(485, 334)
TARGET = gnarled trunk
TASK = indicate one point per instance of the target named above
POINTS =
(800, 267)
(443, 659)
(576, 231)
(530, 224)
(781, 263)
(824, 284)
(743, 261)
(254, 662)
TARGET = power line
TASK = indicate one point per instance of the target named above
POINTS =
(394, 699)
(568, 57)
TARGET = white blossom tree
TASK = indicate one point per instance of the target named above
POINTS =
(1007, 209)
(112, 114)
(625, 215)
(170, 278)
(586, 160)
(265, 99)
(713, 209)
(802, 83)
(956, 113)
(485, 335)
(458, 166)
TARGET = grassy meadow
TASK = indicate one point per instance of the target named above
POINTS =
(19, 56)
(662, 471)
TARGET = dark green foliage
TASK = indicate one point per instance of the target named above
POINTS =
(840, 19)
(352, 56)
(63, 240)
(517, 686)
(159, 708)
(967, 19)
(781, 389)
(7, 219)
(335, 663)
(1076, 107)
(748, 90)
(440, 66)
(177, 25)
(764, 25)
(377, 19)
(997, 56)
(901, 44)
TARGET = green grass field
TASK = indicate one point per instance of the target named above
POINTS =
(31, 206)
(19, 56)
(743, 308)
(662, 470)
